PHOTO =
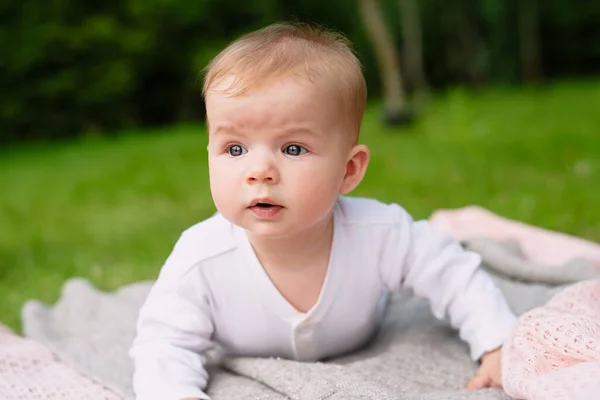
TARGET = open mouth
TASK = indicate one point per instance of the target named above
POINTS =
(264, 205)
(265, 208)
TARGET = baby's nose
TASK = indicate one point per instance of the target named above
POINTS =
(263, 173)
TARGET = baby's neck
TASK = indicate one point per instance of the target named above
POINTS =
(300, 251)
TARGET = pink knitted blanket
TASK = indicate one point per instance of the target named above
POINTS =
(29, 371)
(538, 245)
(554, 352)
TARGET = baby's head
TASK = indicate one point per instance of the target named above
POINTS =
(284, 107)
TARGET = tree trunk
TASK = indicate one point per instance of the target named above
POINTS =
(413, 47)
(529, 39)
(388, 60)
(465, 45)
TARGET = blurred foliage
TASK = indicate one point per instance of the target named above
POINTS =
(72, 68)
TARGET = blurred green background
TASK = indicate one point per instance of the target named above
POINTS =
(103, 148)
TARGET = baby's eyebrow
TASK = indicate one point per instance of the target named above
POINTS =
(300, 131)
(224, 129)
(231, 130)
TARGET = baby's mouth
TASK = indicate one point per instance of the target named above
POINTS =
(265, 209)
(264, 205)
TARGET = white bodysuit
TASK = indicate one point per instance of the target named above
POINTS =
(212, 291)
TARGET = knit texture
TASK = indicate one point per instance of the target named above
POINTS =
(29, 371)
(414, 356)
(554, 352)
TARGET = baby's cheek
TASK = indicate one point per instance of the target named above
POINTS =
(318, 188)
(222, 186)
(313, 178)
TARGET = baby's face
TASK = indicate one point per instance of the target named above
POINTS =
(277, 157)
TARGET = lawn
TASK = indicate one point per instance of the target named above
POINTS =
(110, 209)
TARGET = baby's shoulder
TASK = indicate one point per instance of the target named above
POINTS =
(364, 211)
(199, 243)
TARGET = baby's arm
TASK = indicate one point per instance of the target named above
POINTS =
(173, 333)
(438, 269)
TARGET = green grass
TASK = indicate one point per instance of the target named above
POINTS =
(110, 209)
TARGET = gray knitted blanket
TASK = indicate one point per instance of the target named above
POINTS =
(413, 357)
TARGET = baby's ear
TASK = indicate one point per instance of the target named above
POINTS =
(356, 166)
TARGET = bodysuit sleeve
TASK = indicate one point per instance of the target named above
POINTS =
(174, 331)
(436, 267)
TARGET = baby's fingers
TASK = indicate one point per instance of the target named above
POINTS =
(479, 382)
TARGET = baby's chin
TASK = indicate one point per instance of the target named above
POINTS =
(269, 232)
(273, 231)
(258, 229)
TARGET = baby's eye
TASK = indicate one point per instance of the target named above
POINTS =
(236, 150)
(294, 150)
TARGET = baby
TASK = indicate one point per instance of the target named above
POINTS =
(289, 266)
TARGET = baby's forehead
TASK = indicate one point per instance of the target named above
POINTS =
(284, 100)
(271, 123)
(273, 120)
(280, 100)
(240, 86)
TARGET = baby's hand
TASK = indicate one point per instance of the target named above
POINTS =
(489, 373)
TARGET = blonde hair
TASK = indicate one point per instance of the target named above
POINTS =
(324, 57)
